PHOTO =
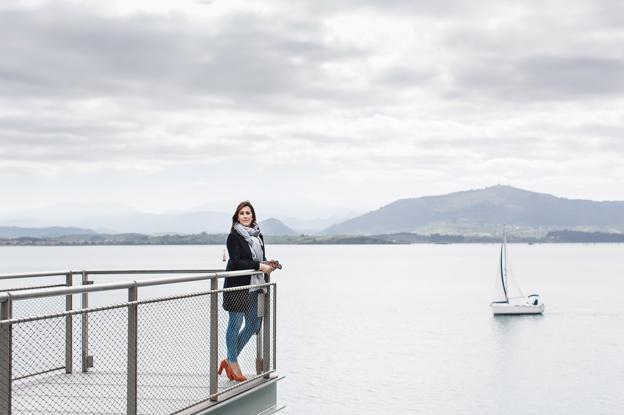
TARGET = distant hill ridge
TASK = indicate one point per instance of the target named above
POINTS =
(49, 232)
(485, 210)
(270, 226)
(273, 226)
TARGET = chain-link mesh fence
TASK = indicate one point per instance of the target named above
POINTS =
(173, 354)
(172, 358)
(39, 306)
(104, 386)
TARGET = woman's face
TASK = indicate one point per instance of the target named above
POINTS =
(244, 216)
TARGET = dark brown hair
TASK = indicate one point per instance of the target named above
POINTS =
(238, 209)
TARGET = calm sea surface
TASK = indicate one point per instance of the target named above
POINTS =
(407, 329)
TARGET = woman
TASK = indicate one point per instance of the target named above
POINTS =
(245, 246)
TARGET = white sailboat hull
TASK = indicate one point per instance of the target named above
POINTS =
(509, 309)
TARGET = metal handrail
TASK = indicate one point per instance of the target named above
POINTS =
(53, 292)
(147, 271)
(126, 303)
(36, 274)
(105, 272)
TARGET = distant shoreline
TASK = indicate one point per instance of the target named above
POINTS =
(132, 239)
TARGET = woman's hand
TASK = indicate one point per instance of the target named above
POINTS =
(274, 263)
(266, 268)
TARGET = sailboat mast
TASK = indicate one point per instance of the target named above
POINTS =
(503, 265)
(505, 255)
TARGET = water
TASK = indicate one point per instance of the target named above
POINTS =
(407, 329)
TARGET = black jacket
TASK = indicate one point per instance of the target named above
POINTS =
(240, 259)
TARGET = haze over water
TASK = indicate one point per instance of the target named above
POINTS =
(407, 329)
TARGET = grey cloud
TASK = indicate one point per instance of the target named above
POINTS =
(477, 12)
(607, 13)
(24, 125)
(542, 78)
(405, 77)
(609, 132)
(574, 75)
(431, 8)
(558, 51)
(334, 138)
(59, 141)
(417, 161)
(74, 53)
(613, 144)
(452, 152)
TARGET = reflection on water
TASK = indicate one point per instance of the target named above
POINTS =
(513, 328)
(408, 329)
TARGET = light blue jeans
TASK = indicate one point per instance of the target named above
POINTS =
(235, 339)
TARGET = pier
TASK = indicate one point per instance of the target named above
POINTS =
(136, 350)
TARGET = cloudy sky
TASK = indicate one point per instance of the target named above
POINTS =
(307, 108)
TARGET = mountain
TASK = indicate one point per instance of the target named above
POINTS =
(273, 226)
(315, 225)
(64, 214)
(51, 232)
(484, 211)
(148, 223)
(151, 223)
(139, 222)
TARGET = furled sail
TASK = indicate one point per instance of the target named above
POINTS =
(500, 282)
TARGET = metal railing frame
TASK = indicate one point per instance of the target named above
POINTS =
(263, 339)
(86, 358)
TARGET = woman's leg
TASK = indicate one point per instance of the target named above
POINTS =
(252, 322)
(232, 336)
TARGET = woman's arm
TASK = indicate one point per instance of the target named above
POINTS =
(235, 253)
(263, 248)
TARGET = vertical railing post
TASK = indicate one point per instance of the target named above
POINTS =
(6, 356)
(69, 330)
(258, 353)
(274, 326)
(266, 331)
(131, 393)
(214, 338)
(84, 304)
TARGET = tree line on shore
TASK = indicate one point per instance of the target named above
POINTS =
(558, 236)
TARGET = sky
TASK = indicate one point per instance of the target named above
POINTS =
(306, 108)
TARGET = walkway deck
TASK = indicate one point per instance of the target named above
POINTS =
(104, 393)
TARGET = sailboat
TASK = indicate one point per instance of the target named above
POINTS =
(508, 298)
